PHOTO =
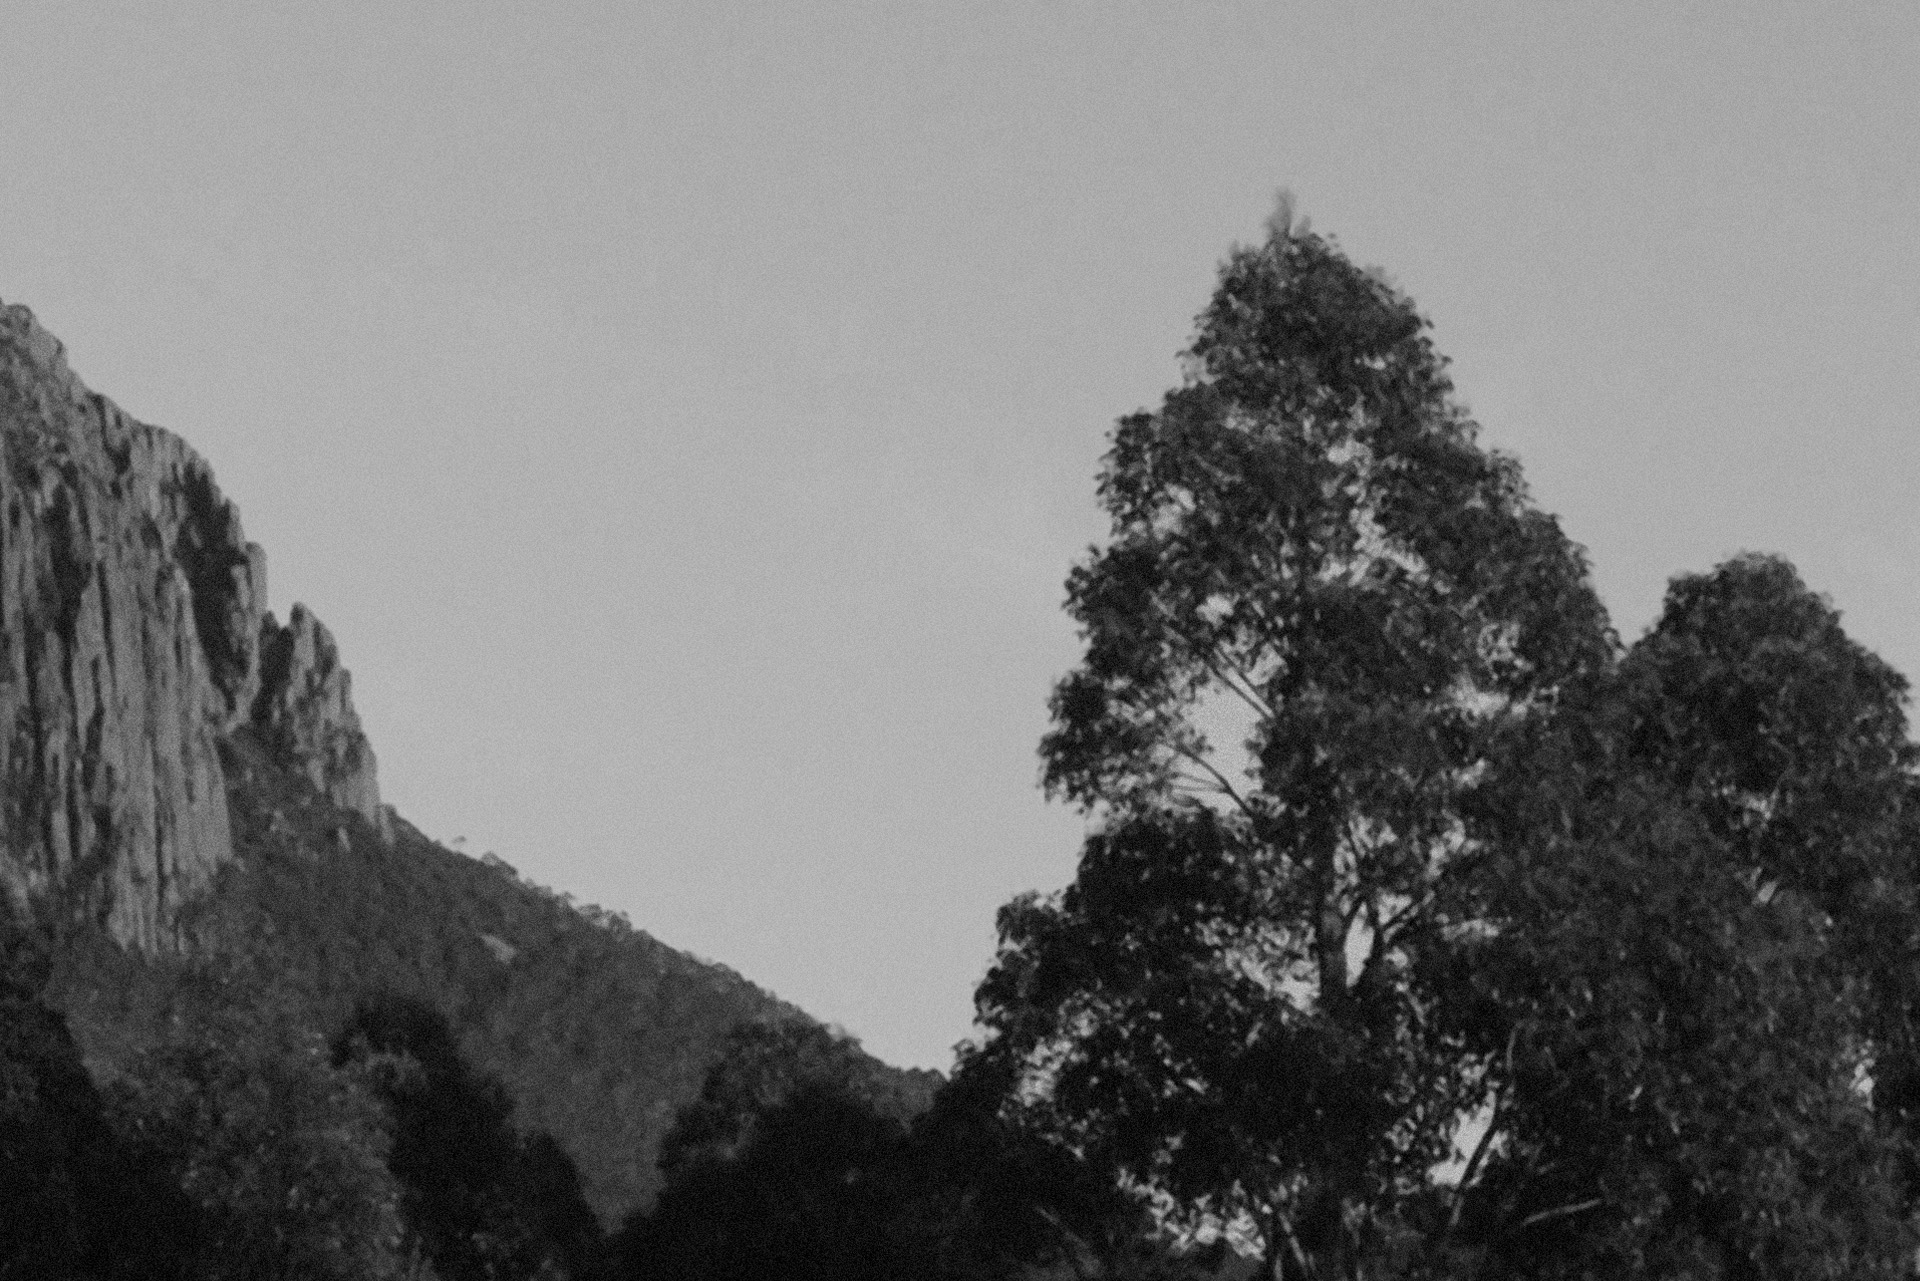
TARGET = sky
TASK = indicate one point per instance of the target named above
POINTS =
(685, 415)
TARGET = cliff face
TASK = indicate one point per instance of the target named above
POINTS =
(131, 610)
(304, 714)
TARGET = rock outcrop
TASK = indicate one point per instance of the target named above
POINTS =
(304, 715)
(131, 612)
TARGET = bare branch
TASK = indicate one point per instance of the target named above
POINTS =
(1282, 1227)
(1560, 1212)
(1226, 671)
(1220, 782)
(1386, 932)
(1480, 1149)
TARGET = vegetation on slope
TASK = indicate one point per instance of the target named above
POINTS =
(597, 1031)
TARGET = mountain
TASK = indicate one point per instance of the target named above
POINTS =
(188, 793)
(130, 603)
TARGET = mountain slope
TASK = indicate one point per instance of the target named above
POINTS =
(189, 798)
(599, 1032)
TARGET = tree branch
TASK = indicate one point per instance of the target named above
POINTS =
(1219, 780)
(1280, 1227)
(1480, 1149)
(1226, 672)
(1560, 1212)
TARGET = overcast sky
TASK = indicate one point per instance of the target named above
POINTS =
(685, 415)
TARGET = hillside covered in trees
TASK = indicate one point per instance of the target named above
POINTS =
(597, 1030)
(553, 1023)
(1423, 929)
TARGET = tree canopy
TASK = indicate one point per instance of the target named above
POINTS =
(484, 1201)
(1310, 554)
(1420, 929)
(82, 1199)
(799, 1159)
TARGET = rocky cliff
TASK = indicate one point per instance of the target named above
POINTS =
(304, 714)
(131, 625)
(157, 723)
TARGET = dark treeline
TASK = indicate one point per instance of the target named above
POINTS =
(243, 1146)
(1423, 932)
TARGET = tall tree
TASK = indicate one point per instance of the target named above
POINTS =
(1696, 945)
(1671, 1056)
(1788, 737)
(1321, 605)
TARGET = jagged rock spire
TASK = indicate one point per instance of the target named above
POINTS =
(304, 714)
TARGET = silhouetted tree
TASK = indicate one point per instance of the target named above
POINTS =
(986, 1200)
(761, 1063)
(795, 1161)
(1312, 560)
(485, 1203)
(807, 1194)
(1639, 930)
(787, 1164)
(1680, 977)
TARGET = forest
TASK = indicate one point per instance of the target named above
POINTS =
(1423, 929)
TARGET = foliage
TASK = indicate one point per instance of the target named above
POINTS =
(987, 1198)
(798, 1160)
(597, 1031)
(1682, 983)
(1672, 1081)
(805, 1193)
(1308, 551)
(812, 1176)
(81, 1201)
(785, 1165)
(1786, 736)
(761, 1065)
(1637, 929)
(1790, 740)
(486, 1203)
(282, 1153)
